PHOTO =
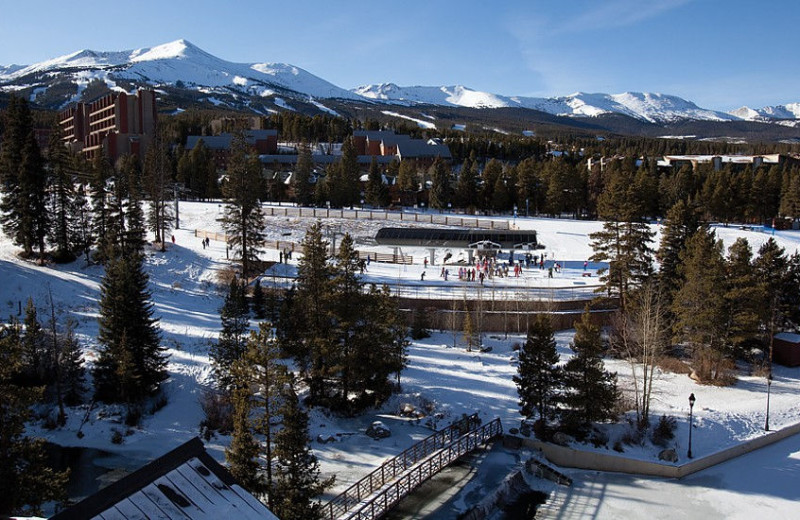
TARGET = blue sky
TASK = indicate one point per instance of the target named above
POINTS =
(721, 54)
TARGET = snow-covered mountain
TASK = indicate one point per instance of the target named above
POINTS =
(788, 111)
(177, 64)
(654, 108)
(185, 74)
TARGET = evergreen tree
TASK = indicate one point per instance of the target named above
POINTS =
(349, 191)
(624, 241)
(243, 220)
(538, 375)
(419, 324)
(301, 180)
(25, 479)
(440, 189)
(297, 478)
(407, 178)
(133, 228)
(158, 187)
(62, 199)
(590, 392)
(466, 193)
(36, 363)
(131, 363)
(82, 223)
(71, 367)
(258, 369)
(681, 223)
(23, 181)
(501, 198)
(699, 306)
(233, 338)
(101, 211)
(376, 192)
(242, 454)
(258, 303)
(745, 297)
(491, 172)
(772, 271)
(312, 306)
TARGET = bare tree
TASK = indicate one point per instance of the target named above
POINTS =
(640, 334)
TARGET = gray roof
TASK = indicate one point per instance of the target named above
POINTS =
(185, 483)
(223, 141)
(417, 148)
(323, 159)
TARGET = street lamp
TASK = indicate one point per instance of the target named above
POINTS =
(769, 385)
(691, 405)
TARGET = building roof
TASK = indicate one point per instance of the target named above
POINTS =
(185, 483)
(789, 337)
(419, 148)
(223, 141)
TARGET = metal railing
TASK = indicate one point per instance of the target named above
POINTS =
(395, 466)
(378, 504)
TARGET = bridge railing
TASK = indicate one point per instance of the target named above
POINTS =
(395, 466)
(381, 502)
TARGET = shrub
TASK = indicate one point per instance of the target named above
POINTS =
(664, 431)
(218, 412)
(116, 437)
(673, 364)
(133, 416)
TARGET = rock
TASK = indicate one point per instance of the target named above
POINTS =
(407, 409)
(668, 455)
(562, 439)
(325, 438)
(378, 430)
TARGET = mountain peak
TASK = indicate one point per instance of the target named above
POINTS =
(178, 49)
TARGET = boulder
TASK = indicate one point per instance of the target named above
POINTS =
(562, 439)
(325, 438)
(668, 455)
(407, 409)
(378, 430)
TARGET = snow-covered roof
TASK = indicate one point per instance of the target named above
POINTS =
(223, 141)
(184, 483)
(790, 337)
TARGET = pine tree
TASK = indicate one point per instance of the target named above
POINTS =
(157, 185)
(243, 220)
(407, 178)
(681, 223)
(297, 477)
(699, 306)
(312, 307)
(419, 324)
(301, 180)
(590, 392)
(745, 297)
(25, 479)
(101, 210)
(440, 195)
(36, 362)
(82, 223)
(624, 241)
(258, 303)
(466, 192)
(376, 193)
(131, 363)
(71, 366)
(62, 199)
(23, 181)
(233, 338)
(538, 375)
(242, 454)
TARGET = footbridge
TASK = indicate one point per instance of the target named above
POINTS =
(376, 493)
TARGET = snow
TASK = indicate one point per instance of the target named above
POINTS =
(442, 378)
(420, 122)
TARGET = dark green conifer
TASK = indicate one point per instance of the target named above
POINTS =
(538, 376)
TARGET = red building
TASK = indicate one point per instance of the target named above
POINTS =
(117, 123)
(264, 142)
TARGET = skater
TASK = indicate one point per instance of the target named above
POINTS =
(280, 257)
(422, 276)
(425, 262)
(173, 239)
(203, 241)
(208, 242)
(585, 264)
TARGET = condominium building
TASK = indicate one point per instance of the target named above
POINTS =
(116, 124)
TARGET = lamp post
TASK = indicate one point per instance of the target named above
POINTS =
(769, 385)
(691, 406)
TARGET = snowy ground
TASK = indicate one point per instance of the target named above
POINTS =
(444, 378)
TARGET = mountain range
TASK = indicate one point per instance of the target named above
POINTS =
(185, 75)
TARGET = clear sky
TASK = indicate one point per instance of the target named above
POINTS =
(721, 54)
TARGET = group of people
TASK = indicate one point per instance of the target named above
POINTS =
(285, 255)
(205, 241)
